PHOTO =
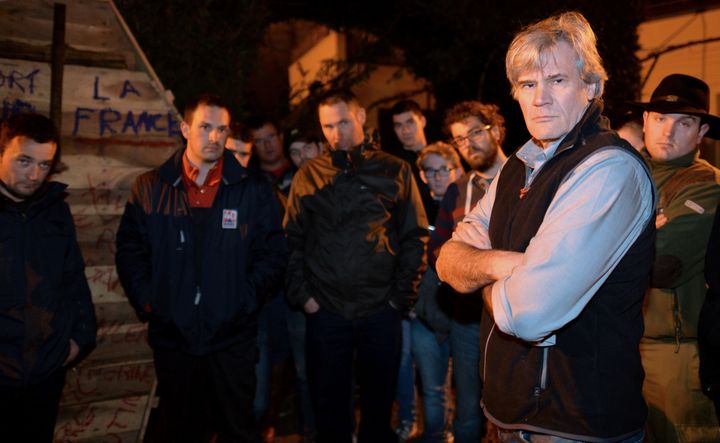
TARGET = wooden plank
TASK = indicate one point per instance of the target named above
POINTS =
(91, 26)
(40, 52)
(115, 313)
(97, 200)
(116, 420)
(130, 436)
(120, 343)
(104, 285)
(28, 8)
(87, 384)
(97, 257)
(121, 89)
(96, 231)
(116, 157)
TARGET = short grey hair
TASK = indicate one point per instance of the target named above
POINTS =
(527, 49)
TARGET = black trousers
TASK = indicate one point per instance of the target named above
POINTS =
(202, 395)
(28, 413)
(372, 346)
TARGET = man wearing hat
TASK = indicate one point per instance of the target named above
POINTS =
(674, 123)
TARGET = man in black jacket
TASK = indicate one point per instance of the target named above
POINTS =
(199, 243)
(47, 319)
(357, 233)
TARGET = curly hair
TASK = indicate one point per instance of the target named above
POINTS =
(487, 113)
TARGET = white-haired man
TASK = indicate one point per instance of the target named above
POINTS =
(562, 244)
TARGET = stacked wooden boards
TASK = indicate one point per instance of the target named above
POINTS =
(117, 121)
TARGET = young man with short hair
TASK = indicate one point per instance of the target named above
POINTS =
(199, 245)
(357, 232)
(675, 121)
(47, 319)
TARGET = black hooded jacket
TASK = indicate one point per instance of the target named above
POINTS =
(44, 296)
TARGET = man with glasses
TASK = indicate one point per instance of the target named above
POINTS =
(439, 167)
(270, 154)
(561, 246)
(477, 131)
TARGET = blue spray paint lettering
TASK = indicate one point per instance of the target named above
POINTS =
(81, 114)
(17, 80)
(15, 106)
(108, 116)
(173, 125)
(109, 122)
(128, 88)
(96, 92)
(148, 122)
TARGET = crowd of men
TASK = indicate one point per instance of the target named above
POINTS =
(564, 285)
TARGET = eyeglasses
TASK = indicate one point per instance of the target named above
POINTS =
(443, 172)
(475, 135)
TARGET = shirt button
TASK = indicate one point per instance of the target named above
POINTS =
(202, 191)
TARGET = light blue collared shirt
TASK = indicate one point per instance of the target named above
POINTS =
(598, 212)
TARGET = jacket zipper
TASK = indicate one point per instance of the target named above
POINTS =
(485, 353)
(198, 295)
(182, 241)
(543, 373)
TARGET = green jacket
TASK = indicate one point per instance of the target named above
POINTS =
(689, 191)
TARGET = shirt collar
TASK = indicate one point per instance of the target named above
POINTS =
(534, 156)
(191, 172)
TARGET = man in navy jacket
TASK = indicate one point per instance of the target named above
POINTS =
(200, 241)
(47, 320)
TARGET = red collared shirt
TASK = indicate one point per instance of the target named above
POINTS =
(201, 196)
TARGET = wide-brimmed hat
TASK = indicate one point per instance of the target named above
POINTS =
(683, 94)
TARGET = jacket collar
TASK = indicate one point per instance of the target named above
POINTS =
(345, 159)
(49, 193)
(590, 123)
(232, 171)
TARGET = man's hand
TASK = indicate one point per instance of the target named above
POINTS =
(311, 306)
(468, 269)
(660, 220)
(74, 351)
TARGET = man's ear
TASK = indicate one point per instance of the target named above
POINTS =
(422, 176)
(591, 90)
(361, 116)
(704, 128)
(423, 121)
(185, 129)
